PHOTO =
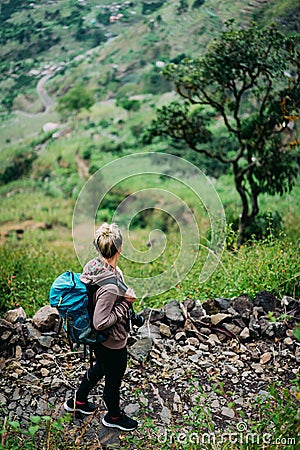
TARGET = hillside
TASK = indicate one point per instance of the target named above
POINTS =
(218, 356)
(114, 52)
(122, 40)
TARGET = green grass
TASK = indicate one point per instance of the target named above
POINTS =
(33, 263)
(20, 126)
(25, 203)
(271, 265)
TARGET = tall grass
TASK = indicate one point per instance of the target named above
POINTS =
(28, 269)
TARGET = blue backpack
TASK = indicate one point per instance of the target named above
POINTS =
(73, 300)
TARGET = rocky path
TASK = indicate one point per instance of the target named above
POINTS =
(182, 357)
(43, 94)
(45, 98)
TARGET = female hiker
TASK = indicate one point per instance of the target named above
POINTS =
(111, 311)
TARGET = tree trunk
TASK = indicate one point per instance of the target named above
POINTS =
(249, 200)
(239, 184)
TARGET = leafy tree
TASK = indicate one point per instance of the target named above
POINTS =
(249, 79)
(198, 3)
(128, 104)
(76, 99)
(182, 7)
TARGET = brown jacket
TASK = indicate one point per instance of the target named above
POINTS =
(111, 310)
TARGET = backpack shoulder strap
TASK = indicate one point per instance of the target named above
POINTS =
(112, 280)
(91, 289)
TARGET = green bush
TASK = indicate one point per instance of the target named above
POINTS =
(27, 272)
(40, 432)
(19, 166)
(265, 224)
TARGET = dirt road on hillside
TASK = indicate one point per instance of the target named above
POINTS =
(43, 94)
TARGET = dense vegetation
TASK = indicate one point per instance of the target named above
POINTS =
(243, 80)
(103, 101)
(101, 66)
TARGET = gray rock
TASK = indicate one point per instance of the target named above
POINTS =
(16, 394)
(132, 409)
(243, 305)
(223, 303)
(230, 369)
(216, 319)
(3, 400)
(254, 327)
(245, 334)
(215, 404)
(194, 358)
(205, 364)
(5, 325)
(234, 329)
(227, 412)
(173, 312)
(32, 331)
(55, 382)
(45, 318)
(32, 379)
(42, 407)
(153, 315)
(164, 330)
(141, 349)
(264, 395)
(149, 331)
(45, 341)
(266, 300)
(165, 415)
(15, 315)
(198, 311)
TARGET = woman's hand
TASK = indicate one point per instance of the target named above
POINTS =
(130, 295)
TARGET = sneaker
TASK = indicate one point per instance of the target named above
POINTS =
(123, 422)
(85, 408)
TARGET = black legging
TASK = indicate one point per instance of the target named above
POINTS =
(111, 364)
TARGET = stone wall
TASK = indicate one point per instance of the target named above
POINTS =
(181, 352)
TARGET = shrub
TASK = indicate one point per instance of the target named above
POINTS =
(27, 272)
(19, 166)
(265, 224)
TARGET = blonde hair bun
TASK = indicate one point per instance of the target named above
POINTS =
(108, 240)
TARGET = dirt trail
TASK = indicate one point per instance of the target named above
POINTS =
(45, 98)
(83, 169)
(18, 228)
(43, 94)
